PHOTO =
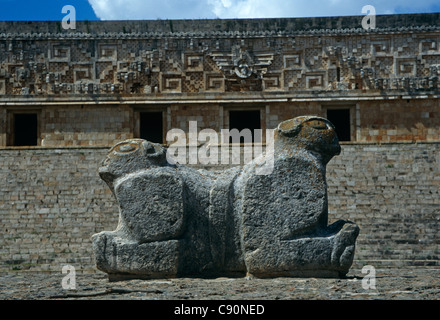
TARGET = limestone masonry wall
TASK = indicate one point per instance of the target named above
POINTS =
(52, 201)
(392, 192)
(84, 126)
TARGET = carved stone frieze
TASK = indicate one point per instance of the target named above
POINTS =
(148, 62)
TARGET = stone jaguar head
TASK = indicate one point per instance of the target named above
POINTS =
(130, 156)
(312, 133)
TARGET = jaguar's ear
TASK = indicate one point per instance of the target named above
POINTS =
(292, 127)
(287, 128)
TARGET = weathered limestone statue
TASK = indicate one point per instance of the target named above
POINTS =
(178, 221)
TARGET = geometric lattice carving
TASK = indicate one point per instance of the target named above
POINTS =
(107, 52)
(148, 62)
(406, 67)
(380, 47)
(171, 82)
(428, 45)
(292, 61)
(83, 72)
(59, 53)
(193, 62)
(273, 82)
(214, 82)
(314, 80)
(2, 86)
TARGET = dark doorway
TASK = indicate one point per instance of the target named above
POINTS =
(25, 129)
(245, 120)
(151, 126)
(341, 120)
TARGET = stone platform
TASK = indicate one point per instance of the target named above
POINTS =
(391, 284)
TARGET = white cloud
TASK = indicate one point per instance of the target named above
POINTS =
(196, 9)
(148, 9)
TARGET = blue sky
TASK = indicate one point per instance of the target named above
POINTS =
(200, 9)
(28, 10)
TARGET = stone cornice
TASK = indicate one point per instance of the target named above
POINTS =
(218, 28)
(212, 34)
(321, 97)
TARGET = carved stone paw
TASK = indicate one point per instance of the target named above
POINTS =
(344, 247)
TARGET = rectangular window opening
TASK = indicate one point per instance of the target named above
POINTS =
(341, 120)
(151, 126)
(245, 120)
(25, 129)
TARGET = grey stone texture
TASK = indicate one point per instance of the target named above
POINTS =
(178, 221)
